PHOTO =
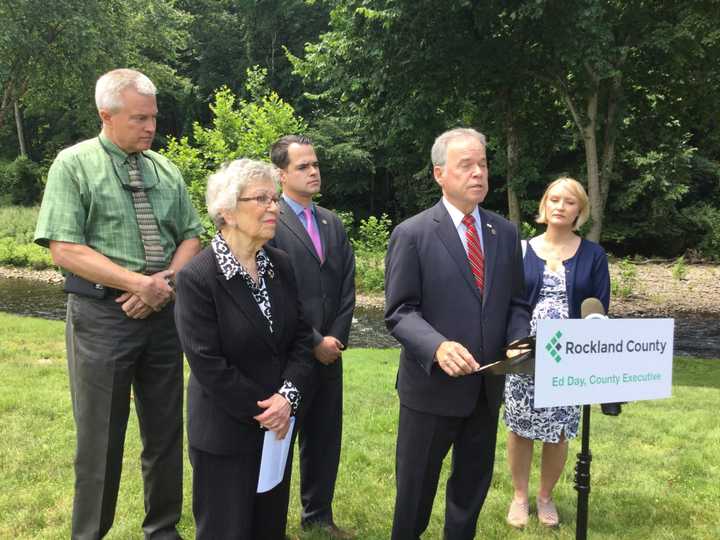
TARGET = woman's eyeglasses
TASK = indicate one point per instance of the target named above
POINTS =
(262, 200)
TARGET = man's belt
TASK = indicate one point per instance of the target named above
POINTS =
(77, 285)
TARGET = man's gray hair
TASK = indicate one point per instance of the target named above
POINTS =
(225, 186)
(110, 86)
(438, 154)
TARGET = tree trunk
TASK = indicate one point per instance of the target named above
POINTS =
(593, 168)
(513, 162)
(608, 156)
(19, 126)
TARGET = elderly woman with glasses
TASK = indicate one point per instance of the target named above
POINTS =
(250, 356)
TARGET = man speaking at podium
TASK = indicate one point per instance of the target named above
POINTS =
(454, 299)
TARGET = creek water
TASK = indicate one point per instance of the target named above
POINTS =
(695, 335)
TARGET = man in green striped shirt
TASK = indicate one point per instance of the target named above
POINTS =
(120, 240)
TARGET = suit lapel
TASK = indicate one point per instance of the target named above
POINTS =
(239, 292)
(277, 300)
(292, 222)
(490, 247)
(449, 237)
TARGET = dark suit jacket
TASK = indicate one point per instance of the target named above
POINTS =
(327, 289)
(431, 297)
(234, 359)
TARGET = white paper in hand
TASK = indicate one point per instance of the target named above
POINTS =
(273, 460)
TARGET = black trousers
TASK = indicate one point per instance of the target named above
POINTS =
(320, 440)
(225, 503)
(108, 354)
(422, 444)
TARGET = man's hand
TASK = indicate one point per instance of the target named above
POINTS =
(328, 350)
(510, 352)
(133, 306)
(455, 360)
(276, 416)
(155, 291)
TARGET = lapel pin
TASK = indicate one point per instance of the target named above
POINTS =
(324, 222)
(492, 229)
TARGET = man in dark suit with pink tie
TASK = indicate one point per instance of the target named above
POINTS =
(324, 266)
(453, 288)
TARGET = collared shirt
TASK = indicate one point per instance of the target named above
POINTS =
(87, 201)
(231, 267)
(456, 216)
(299, 210)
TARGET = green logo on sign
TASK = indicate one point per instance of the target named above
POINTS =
(553, 346)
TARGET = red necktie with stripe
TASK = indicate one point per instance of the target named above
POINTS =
(474, 252)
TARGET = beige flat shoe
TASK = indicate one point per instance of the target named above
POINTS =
(518, 514)
(547, 513)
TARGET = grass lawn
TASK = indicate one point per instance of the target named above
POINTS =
(655, 469)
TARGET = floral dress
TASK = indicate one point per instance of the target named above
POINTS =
(521, 417)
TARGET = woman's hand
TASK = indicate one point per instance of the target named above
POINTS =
(276, 416)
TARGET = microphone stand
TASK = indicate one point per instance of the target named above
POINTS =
(582, 477)
(591, 308)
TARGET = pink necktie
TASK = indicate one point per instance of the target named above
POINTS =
(313, 232)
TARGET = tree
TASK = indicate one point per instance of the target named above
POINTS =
(50, 58)
(401, 72)
(405, 70)
(231, 36)
(239, 129)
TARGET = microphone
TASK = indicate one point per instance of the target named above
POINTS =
(592, 308)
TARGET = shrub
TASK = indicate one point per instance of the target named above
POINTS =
(240, 129)
(527, 230)
(18, 223)
(348, 220)
(370, 248)
(26, 255)
(679, 271)
(21, 181)
(623, 283)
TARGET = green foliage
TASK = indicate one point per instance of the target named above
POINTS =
(679, 270)
(33, 256)
(370, 247)
(21, 181)
(239, 129)
(348, 221)
(17, 228)
(527, 230)
(18, 223)
(51, 56)
(625, 279)
(373, 234)
(706, 220)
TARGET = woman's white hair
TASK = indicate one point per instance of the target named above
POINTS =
(227, 184)
(438, 153)
(110, 86)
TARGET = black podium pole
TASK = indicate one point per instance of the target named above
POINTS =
(582, 477)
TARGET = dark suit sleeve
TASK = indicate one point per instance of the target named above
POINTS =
(518, 325)
(197, 324)
(601, 278)
(340, 327)
(403, 297)
(301, 364)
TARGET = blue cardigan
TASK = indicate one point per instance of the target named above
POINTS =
(586, 276)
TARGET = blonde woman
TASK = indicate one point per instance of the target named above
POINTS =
(561, 270)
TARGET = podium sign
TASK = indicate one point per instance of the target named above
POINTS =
(585, 361)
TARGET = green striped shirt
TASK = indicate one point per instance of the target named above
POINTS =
(87, 201)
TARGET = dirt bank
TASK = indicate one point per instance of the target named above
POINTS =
(653, 291)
